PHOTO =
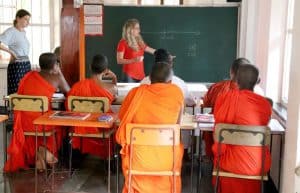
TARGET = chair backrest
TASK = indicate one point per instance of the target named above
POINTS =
(88, 104)
(29, 103)
(153, 134)
(242, 134)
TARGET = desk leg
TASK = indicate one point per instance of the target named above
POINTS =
(192, 157)
(70, 157)
(4, 143)
(199, 176)
(53, 166)
(280, 161)
(35, 168)
(117, 167)
(108, 181)
(45, 155)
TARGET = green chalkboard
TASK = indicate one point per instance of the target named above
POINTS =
(204, 39)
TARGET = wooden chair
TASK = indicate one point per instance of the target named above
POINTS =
(152, 135)
(31, 103)
(242, 135)
(89, 104)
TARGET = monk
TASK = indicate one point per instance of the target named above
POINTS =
(214, 91)
(242, 107)
(44, 83)
(162, 55)
(158, 103)
(95, 87)
(223, 86)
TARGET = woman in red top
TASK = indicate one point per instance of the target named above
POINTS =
(130, 51)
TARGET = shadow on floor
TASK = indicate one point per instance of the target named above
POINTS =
(90, 177)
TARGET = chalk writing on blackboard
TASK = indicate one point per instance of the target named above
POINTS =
(170, 35)
(192, 50)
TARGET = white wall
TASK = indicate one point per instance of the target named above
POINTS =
(291, 182)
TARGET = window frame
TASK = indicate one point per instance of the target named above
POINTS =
(287, 49)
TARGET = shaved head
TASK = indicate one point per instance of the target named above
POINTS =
(247, 76)
(161, 73)
(235, 66)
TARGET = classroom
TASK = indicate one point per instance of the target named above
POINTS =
(119, 60)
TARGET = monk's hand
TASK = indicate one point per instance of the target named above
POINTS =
(58, 71)
(111, 75)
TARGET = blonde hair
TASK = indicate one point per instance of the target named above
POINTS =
(133, 42)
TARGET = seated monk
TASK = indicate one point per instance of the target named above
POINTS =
(162, 55)
(214, 91)
(242, 107)
(44, 83)
(158, 103)
(94, 87)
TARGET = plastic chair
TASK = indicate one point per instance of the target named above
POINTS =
(242, 135)
(152, 135)
(90, 105)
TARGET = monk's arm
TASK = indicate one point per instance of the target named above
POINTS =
(62, 83)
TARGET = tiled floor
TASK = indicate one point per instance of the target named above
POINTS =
(91, 177)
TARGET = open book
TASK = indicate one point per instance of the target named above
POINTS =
(204, 118)
(70, 115)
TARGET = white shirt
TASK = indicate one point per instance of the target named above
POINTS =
(180, 83)
(16, 41)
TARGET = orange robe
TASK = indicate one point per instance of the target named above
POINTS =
(89, 88)
(158, 103)
(209, 101)
(22, 150)
(242, 107)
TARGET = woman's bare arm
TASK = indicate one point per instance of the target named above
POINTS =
(122, 60)
(2, 47)
(149, 50)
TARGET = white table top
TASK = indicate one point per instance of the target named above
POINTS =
(189, 124)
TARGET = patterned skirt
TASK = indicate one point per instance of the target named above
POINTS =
(15, 72)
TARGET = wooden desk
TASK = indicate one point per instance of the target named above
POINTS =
(91, 121)
(3, 119)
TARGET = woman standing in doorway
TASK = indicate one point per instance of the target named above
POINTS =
(130, 51)
(18, 47)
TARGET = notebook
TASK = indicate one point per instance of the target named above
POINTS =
(105, 118)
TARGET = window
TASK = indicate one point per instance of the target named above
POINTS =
(120, 2)
(43, 30)
(171, 2)
(287, 54)
(150, 2)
